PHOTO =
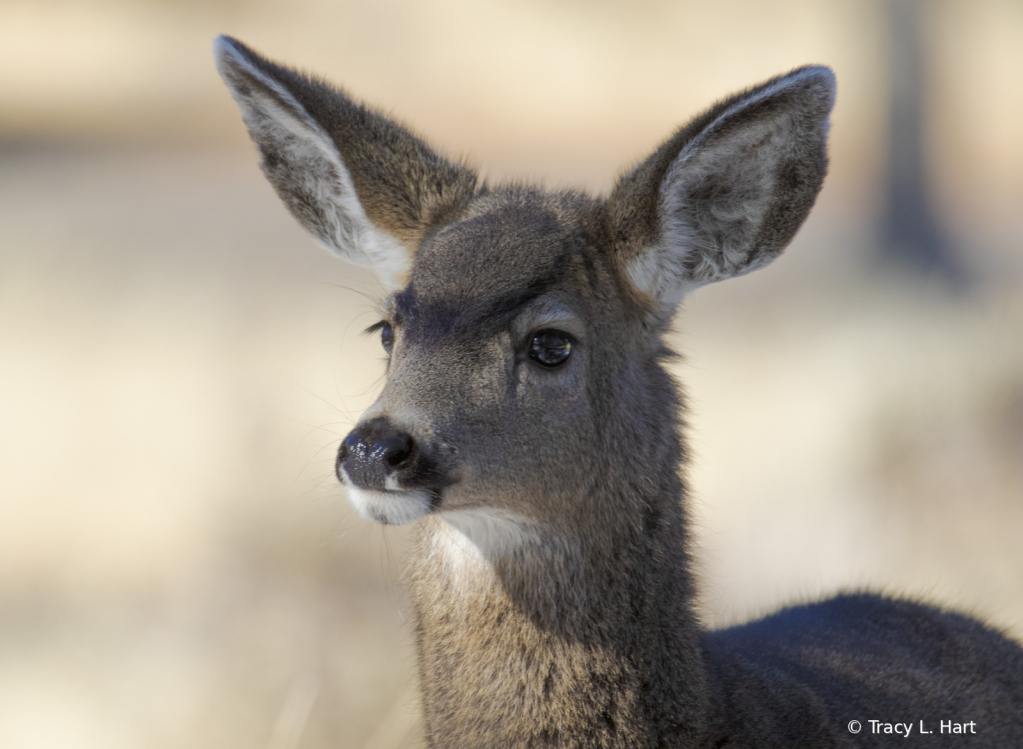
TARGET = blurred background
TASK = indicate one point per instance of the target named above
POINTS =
(178, 360)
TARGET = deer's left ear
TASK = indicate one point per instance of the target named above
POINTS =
(727, 192)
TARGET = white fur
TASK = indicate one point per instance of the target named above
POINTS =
(469, 541)
(652, 272)
(390, 507)
(660, 271)
(489, 534)
(313, 157)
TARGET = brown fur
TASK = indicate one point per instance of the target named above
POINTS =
(551, 582)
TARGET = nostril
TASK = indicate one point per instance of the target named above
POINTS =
(350, 445)
(395, 449)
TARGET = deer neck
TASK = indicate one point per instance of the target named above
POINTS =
(552, 641)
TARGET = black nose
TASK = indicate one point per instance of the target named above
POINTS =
(373, 451)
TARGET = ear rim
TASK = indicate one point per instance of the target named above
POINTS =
(645, 238)
(232, 56)
(358, 239)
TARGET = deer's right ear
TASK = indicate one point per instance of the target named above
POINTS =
(362, 185)
(727, 192)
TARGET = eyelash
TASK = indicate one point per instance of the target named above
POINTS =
(386, 334)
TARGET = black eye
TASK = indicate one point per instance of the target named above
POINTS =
(551, 348)
(387, 336)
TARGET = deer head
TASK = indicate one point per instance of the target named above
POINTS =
(525, 328)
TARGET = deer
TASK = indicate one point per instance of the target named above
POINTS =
(529, 427)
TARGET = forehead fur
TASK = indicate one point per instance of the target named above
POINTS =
(508, 247)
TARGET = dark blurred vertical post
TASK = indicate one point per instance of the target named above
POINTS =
(912, 235)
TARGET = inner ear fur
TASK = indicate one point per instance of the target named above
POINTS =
(363, 185)
(727, 192)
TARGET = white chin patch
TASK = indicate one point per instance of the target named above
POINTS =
(485, 534)
(391, 507)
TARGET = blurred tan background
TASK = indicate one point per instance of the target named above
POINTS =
(178, 360)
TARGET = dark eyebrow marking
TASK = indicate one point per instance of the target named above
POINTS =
(487, 318)
(375, 327)
(507, 306)
(426, 318)
(405, 304)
